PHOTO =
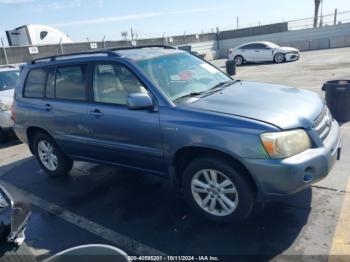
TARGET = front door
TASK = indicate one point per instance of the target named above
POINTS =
(122, 136)
(263, 53)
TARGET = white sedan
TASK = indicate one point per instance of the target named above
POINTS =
(8, 78)
(262, 52)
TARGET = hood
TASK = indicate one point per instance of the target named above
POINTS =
(287, 49)
(7, 95)
(282, 106)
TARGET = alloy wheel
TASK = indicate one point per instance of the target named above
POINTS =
(47, 155)
(238, 60)
(279, 58)
(214, 192)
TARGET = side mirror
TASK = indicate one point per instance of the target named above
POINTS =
(139, 101)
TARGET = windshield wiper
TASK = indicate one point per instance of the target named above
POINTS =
(211, 90)
(221, 85)
(192, 94)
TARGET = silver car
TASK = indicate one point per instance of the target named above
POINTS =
(262, 52)
(8, 79)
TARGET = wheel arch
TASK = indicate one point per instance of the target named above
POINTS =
(31, 132)
(243, 59)
(184, 155)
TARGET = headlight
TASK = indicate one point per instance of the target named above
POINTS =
(285, 144)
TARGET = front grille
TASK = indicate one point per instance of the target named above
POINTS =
(323, 123)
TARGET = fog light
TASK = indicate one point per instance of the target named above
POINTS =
(308, 174)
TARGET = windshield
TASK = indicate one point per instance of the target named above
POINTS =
(272, 45)
(181, 74)
(8, 79)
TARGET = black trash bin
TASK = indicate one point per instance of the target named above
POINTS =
(230, 67)
(338, 99)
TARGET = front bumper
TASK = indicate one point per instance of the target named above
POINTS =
(292, 56)
(278, 177)
(5, 120)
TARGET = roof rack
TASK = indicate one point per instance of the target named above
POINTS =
(108, 51)
(53, 58)
(140, 46)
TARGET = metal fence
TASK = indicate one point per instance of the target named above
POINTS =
(204, 42)
(323, 20)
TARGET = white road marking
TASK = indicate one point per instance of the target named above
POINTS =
(123, 242)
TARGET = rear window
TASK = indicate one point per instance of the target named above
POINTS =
(8, 79)
(71, 82)
(35, 84)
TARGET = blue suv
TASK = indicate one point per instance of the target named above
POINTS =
(224, 142)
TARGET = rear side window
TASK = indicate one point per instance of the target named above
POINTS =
(250, 46)
(35, 84)
(50, 84)
(71, 82)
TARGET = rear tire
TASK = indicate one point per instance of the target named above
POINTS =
(51, 159)
(233, 202)
(239, 60)
(2, 136)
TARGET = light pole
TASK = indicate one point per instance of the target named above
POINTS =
(321, 16)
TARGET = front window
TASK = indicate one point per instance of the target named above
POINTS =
(8, 79)
(112, 83)
(181, 74)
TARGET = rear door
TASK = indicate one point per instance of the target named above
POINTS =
(248, 52)
(65, 107)
(122, 136)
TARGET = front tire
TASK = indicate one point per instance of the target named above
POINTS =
(279, 58)
(217, 190)
(51, 159)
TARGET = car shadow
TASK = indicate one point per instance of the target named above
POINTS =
(250, 64)
(148, 209)
(10, 140)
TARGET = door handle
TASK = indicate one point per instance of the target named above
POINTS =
(257, 51)
(96, 113)
(48, 107)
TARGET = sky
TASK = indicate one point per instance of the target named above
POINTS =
(95, 19)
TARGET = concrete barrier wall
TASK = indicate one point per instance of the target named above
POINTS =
(204, 42)
(305, 40)
(254, 31)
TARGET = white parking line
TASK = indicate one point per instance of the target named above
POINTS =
(123, 242)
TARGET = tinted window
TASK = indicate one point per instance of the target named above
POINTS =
(43, 34)
(112, 83)
(261, 46)
(71, 82)
(253, 46)
(8, 79)
(35, 84)
(50, 84)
